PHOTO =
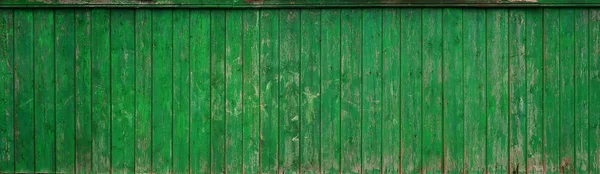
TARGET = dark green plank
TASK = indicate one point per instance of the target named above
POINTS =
(432, 91)
(517, 91)
(534, 76)
(453, 91)
(582, 90)
(351, 81)
(567, 91)
(497, 91)
(83, 104)
(269, 90)
(289, 90)
(411, 91)
(594, 84)
(143, 90)
(551, 90)
(200, 91)
(24, 91)
(310, 88)
(122, 53)
(162, 95)
(44, 90)
(7, 145)
(217, 90)
(371, 90)
(65, 90)
(330, 91)
(251, 93)
(233, 92)
(390, 147)
(181, 91)
(101, 90)
(474, 50)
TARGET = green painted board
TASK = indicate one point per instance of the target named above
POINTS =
(311, 90)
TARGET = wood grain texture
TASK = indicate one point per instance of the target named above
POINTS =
(7, 120)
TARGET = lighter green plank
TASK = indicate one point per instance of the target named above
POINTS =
(330, 91)
(251, 93)
(474, 50)
(44, 90)
(200, 91)
(83, 105)
(411, 91)
(310, 88)
(289, 90)
(100, 91)
(594, 109)
(517, 91)
(65, 90)
(181, 91)
(390, 147)
(217, 90)
(233, 92)
(453, 91)
(122, 53)
(551, 90)
(7, 146)
(143, 90)
(534, 73)
(24, 91)
(351, 81)
(497, 91)
(432, 91)
(582, 90)
(162, 93)
(269, 90)
(371, 97)
(567, 91)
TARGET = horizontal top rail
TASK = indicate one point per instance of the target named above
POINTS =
(296, 3)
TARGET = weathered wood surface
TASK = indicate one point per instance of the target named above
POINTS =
(380, 90)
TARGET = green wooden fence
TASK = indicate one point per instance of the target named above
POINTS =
(411, 90)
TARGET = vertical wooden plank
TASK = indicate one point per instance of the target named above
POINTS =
(453, 91)
(24, 91)
(101, 91)
(390, 147)
(217, 94)
(200, 91)
(65, 90)
(371, 90)
(181, 90)
(310, 91)
(351, 55)
(269, 90)
(474, 50)
(497, 91)
(432, 91)
(411, 92)
(289, 102)
(534, 79)
(517, 91)
(143, 90)
(233, 92)
(551, 90)
(251, 90)
(122, 55)
(594, 109)
(330, 91)
(44, 90)
(7, 122)
(581, 91)
(567, 91)
(162, 96)
(83, 107)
